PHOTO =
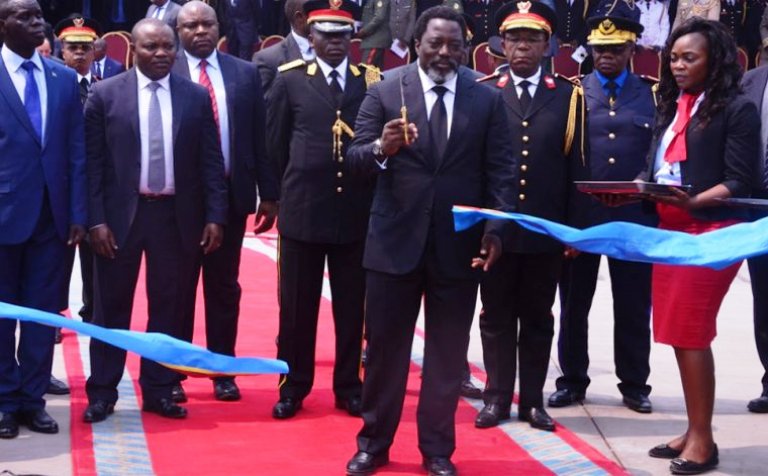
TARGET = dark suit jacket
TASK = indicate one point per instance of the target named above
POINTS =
(111, 68)
(545, 171)
(268, 59)
(623, 157)
(414, 195)
(320, 201)
(249, 163)
(29, 167)
(753, 84)
(725, 151)
(113, 148)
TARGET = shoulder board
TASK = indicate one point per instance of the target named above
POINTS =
(311, 69)
(574, 81)
(372, 74)
(491, 76)
(355, 70)
(291, 65)
(647, 78)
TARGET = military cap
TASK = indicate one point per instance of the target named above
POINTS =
(494, 47)
(77, 29)
(532, 15)
(332, 16)
(616, 24)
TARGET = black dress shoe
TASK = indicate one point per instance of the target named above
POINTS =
(98, 411)
(664, 451)
(537, 417)
(759, 405)
(286, 408)
(363, 464)
(39, 421)
(565, 397)
(439, 466)
(57, 387)
(165, 407)
(491, 415)
(178, 395)
(639, 403)
(684, 466)
(468, 390)
(226, 390)
(9, 426)
(353, 405)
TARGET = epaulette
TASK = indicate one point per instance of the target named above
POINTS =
(355, 70)
(574, 80)
(372, 74)
(291, 65)
(311, 69)
(491, 76)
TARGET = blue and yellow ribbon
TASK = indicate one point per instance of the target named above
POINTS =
(632, 242)
(172, 353)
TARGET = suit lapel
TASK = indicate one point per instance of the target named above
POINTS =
(177, 103)
(594, 90)
(541, 97)
(509, 94)
(629, 91)
(8, 91)
(757, 91)
(229, 75)
(181, 67)
(353, 88)
(131, 85)
(318, 82)
(292, 49)
(462, 108)
(417, 109)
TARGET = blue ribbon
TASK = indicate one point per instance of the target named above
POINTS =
(632, 242)
(174, 353)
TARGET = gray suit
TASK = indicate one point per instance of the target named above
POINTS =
(268, 59)
(169, 16)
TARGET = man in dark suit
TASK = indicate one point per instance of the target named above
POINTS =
(103, 66)
(621, 109)
(323, 207)
(242, 27)
(164, 10)
(546, 114)
(42, 207)
(235, 89)
(292, 47)
(156, 188)
(456, 152)
(754, 84)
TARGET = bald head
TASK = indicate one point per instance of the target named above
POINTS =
(154, 48)
(294, 12)
(198, 29)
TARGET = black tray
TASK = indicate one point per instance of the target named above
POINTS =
(755, 203)
(628, 188)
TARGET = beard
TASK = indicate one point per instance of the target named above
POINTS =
(441, 78)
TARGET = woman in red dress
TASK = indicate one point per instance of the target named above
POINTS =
(707, 136)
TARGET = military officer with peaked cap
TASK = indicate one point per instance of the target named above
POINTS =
(546, 114)
(621, 108)
(311, 109)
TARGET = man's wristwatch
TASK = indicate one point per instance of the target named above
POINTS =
(376, 149)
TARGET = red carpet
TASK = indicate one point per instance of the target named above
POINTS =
(242, 438)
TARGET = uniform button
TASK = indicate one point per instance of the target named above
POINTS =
(521, 196)
(522, 182)
(646, 125)
(611, 161)
(525, 153)
(339, 189)
(525, 123)
(341, 159)
(612, 113)
(611, 135)
(525, 138)
(339, 174)
(524, 167)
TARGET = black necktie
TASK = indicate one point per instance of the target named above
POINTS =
(525, 95)
(611, 86)
(336, 87)
(84, 85)
(438, 122)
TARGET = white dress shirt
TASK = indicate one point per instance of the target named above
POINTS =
(88, 76)
(664, 172)
(18, 76)
(166, 110)
(220, 91)
(102, 64)
(654, 16)
(341, 68)
(306, 49)
(430, 97)
(534, 80)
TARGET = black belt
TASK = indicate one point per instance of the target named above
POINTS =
(154, 197)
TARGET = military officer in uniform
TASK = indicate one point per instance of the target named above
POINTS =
(483, 14)
(311, 108)
(733, 14)
(546, 114)
(375, 34)
(571, 21)
(620, 111)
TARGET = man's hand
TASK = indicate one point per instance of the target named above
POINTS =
(490, 252)
(212, 236)
(103, 241)
(265, 216)
(393, 136)
(76, 235)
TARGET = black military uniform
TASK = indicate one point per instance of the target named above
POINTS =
(323, 215)
(483, 14)
(571, 20)
(733, 14)
(549, 141)
(620, 130)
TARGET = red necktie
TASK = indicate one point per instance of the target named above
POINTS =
(205, 82)
(676, 152)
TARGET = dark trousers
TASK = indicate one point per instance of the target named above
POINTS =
(241, 35)
(520, 288)
(32, 274)
(221, 290)
(374, 56)
(154, 234)
(631, 290)
(301, 266)
(758, 273)
(86, 272)
(392, 307)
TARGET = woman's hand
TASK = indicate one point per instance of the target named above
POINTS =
(678, 199)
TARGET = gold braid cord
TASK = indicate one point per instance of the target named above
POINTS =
(339, 129)
(577, 96)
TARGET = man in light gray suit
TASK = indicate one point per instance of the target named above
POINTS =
(165, 11)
